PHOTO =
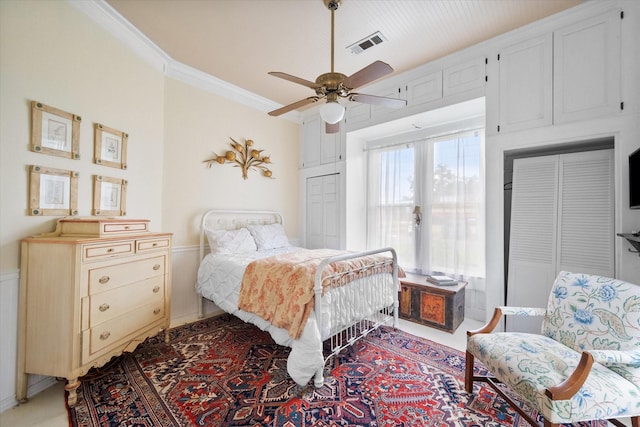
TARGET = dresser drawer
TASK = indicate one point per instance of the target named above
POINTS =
(107, 305)
(143, 245)
(106, 278)
(111, 332)
(106, 250)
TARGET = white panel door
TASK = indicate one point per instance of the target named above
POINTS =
(323, 225)
(315, 220)
(532, 241)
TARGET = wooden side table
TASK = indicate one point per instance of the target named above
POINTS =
(441, 307)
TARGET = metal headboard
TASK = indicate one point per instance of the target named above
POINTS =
(233, 219)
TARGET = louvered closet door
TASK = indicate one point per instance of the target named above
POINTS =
(562, 219)
(532, 241)
(585, 227)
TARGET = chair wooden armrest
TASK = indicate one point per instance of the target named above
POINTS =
(572, 384)
(490, 326)
(498, 312)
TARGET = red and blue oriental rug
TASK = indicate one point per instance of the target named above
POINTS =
(224, 372)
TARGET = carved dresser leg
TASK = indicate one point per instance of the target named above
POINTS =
(72, 387)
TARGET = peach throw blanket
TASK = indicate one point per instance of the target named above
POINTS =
(280, 288)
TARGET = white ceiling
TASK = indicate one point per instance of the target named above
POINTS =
(239, 41)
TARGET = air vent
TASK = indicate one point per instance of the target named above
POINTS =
(367, 43)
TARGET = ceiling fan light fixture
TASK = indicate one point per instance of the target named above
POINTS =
(332, 112)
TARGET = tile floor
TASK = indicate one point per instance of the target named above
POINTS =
(47, 408)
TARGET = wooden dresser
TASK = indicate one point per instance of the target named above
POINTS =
(89, 291)
(440, 307)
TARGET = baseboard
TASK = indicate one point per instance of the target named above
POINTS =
(34, 388)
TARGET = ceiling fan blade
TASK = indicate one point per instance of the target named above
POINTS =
(332, 128)
(377, 100)
(371, 72)
(294, 79)
(294, 106)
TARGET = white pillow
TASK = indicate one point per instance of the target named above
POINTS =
(269, 236)
(230, 241)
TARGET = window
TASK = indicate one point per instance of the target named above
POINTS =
(445, 177)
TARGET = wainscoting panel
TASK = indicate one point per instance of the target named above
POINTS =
(9, 284)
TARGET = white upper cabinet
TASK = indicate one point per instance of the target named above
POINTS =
(571, 74)
(319, 147)
(358, 112)
(390, 92)
(311, 134)
(525, 84)
(424, 89)
(587, 71)
(330, 148)
(464, 77)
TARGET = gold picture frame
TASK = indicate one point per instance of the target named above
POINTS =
(52, 191)
(54, 131)
(110, 146)
(109, 196)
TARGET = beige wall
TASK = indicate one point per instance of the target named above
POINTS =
(52, 53)
(198, 123)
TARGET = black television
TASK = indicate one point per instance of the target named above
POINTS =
(634, 179)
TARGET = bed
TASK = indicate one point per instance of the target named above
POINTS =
(352, 293)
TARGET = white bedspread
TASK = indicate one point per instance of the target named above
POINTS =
(219, 280)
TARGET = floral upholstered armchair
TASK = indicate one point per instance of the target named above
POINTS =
(585, 364)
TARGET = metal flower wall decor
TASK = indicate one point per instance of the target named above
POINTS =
(244, 157)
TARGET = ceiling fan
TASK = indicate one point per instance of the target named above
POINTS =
(332, 86)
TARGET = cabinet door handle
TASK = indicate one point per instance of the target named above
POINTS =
(104, 279)
(104, 307)
(156, 289)
(156, 311)
(105, 335)
(156, 267)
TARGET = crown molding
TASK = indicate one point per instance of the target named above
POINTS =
(118, 26)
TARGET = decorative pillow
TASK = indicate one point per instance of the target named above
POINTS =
(230, 241)
(269, 236)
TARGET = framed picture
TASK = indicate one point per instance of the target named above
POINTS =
(110, 147)
(109, 196)
(54, 131)
(52, 191)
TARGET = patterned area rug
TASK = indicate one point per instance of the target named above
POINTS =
(224, 372)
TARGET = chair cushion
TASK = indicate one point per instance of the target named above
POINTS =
(530, 363)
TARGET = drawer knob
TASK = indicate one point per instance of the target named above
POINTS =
(105, 335)
(156, 289)
(156, 311)
(104, 307)
(154, 245)
(104, 279)
(156, 267)
(110, 250)
(126, 227)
